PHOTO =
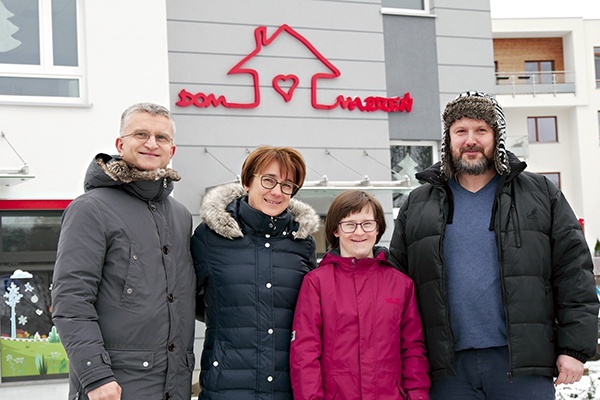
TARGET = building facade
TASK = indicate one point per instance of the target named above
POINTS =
(547, 74)
(356, 86)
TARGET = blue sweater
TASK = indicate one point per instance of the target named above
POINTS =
(472, 271)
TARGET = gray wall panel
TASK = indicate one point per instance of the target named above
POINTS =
(481, 5)
(332, 15)
(479, 26)
(212, 69)
(411, 67)
(466, 51)
(210, 38)
(456, 79)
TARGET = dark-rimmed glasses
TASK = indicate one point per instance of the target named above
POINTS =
(268, 182)
(144, 137)
(350, 227)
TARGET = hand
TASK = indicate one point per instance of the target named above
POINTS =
(570, 370)
(108, 391)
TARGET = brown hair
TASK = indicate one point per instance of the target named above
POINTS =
(290, 161)
(347, 203)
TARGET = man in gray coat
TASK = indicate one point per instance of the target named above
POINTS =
(123, 287)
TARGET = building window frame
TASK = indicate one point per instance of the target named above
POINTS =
(66, 85)
(26, 265)
(537, 132)
(399, 149)
(406, 7)
(597, 65)
(537, 69)
(554, 177)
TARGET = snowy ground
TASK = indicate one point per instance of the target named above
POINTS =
(587, 388)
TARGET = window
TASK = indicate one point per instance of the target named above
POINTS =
(408, 158)
(597, 62)
(542, 129)
(39, 51)
(28, 242)
(542, 71)
(553, 176)
(321, 239)
(405, 6)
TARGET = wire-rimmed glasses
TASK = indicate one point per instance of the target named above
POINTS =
(145, 136)
(287, 187)
(350, 227)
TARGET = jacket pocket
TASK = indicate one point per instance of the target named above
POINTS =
(211, 367)
(191, 360)
(131, 359)
(132, 277)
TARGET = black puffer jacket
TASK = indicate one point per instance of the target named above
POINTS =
(548, 286)
(249, 269)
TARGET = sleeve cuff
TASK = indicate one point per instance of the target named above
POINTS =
(575, 354)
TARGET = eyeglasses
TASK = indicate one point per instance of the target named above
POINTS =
(144, 137)
(350, 227)
(268, 182)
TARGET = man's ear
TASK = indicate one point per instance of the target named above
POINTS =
(119, 145)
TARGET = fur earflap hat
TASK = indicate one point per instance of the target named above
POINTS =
(481, 106)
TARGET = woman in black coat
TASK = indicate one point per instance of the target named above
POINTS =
(251, 252)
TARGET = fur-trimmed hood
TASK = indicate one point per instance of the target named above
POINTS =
(112, 171)
(215, 213)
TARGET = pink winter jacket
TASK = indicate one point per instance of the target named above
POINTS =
(357, 333)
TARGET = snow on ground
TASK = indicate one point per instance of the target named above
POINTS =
(587, 388)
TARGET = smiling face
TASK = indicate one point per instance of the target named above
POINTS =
(472, 142)
(358, 244)
(271, 202)
(146, 155)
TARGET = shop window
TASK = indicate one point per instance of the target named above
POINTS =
(539, 71)
(597, 62)
(402, 6)
(29, 344)
(542, 129)
(408, 158)
(321, 239)
(553, 176)
(39, 51)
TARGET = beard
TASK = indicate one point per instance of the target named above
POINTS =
(472, 167)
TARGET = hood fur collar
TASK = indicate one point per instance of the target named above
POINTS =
(214, 212)
(121, 171)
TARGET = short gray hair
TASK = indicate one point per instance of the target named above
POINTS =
(150, 108)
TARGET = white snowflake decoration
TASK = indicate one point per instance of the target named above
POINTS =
(22, 320)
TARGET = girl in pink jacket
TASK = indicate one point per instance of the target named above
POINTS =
(357, 331)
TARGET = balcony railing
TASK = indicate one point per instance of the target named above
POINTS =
(533, 83)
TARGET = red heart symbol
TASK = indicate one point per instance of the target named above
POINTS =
(285, 92)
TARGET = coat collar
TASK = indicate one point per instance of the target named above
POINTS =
(112, 171)
(225, 210)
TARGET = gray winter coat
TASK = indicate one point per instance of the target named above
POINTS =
(249, 268)
(123, 287)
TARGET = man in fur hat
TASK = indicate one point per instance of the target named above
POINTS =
(503, 272)
(123, 288)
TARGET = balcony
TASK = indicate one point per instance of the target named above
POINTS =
(532, 83)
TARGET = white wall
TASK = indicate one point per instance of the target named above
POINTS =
(125, 61)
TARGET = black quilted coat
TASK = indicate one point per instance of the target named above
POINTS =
(548, 287)
(249, 269)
